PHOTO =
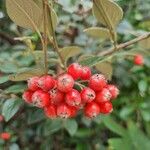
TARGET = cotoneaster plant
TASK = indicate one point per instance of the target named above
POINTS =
(67, 80)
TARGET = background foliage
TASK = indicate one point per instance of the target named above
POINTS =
(127, 128)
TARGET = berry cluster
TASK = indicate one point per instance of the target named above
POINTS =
(59, 98)
(5, 136)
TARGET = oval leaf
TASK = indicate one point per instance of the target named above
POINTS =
(107, 12)
(70, 51)
(97, 32)
(10, 108)
(29, 14)
(106, 69)
(26, 74)
(24, 13)
(71, 126)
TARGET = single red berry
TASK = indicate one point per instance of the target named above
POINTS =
(65, 83)
(75, 70)
(92, 110)
(63, 111)
(40, 99)
(97, 82)
(27, 96)
(73, 98)
(103, 96)
(46, 82)
(74, 111)
(56, 96)
(138, 60)
(113, 90)
(87, 95)
(33, 83)
(106, 107)
(50, 111)
(5, 136)
(1, 118)
(86, 73)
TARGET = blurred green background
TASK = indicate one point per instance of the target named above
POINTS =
(127, 128)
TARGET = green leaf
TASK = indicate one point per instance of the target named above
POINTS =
(139, 139)
(142, 85)
(22, 76)
(10, 108)
(90, 60)
(120, 144)
(96, 32)
(4, 79)
(70, 51)
(52, 126)
(8, 67)
(107, 12)
(106, 69)
(18, 88)
(25, 13)
(29, 14)
(71, 126)
(113, 126)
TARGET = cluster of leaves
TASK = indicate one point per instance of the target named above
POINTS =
(128, 127)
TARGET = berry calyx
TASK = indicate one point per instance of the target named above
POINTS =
(40, 99)
(65, 83)
(106, 107)
(113, 90)
(33, 83)
(138, 60)
(75, 70)
(63, 111)
(86, 73)
(103, 96)
(5, 136)
(27, 96)
(50, 111)
(73, 98)
(97, 82)
(92, 110)
(56, 96)
(87, 95)
(46, 83)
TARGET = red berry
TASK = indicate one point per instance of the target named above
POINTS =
(63, 111)
(65, 83)
(5, 136)
(27, 96)
(138, 60)
(113, 90)
(75, 70)
(87, 95)
(50, 111)
(97, 82)
(86, 73)
(1, 118)
(33, 83)
(41, 99)
(73, 110)
(103, 96)
(73, 98)
(92, 110)
(46, 83)
(106, 107)
(56, 96)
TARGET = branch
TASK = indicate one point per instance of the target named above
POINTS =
(124, 45)
(54, 42)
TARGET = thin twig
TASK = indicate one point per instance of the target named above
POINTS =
(54, 43)
(124, 45)
(45, 36)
